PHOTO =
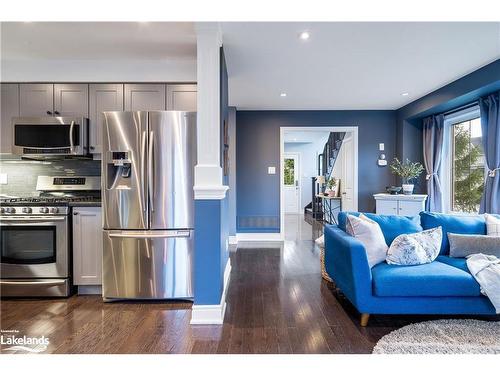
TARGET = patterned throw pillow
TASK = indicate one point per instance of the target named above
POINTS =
(415, 248)
(492, 225)
(368, 232)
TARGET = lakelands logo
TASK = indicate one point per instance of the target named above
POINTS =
(25, 343)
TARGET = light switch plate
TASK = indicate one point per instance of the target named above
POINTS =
(3, 178)
(381, 147)
(271, 170)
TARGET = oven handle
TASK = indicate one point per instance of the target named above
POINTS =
(33, 218)
(54, 282)
(174, 234)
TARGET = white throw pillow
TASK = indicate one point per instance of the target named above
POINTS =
(415, 248)
(368, 232)
(492, 225)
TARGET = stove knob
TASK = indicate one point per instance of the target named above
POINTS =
(10, 210)
(54, 210)
(2, 210)
(44, 210)
(26, 210)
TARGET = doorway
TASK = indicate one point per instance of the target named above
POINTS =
(302, 151)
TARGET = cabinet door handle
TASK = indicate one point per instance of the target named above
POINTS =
(56, 112)
(92, 147)
(49, 112)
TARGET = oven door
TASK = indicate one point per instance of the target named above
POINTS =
(34, 247)
(49, 136)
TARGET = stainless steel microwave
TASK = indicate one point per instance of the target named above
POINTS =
(41, 137)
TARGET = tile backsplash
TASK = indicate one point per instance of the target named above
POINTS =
(22, 174)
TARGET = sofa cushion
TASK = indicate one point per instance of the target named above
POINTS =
(460, 263)
(462, 224)
(434, 279)
(391, 225)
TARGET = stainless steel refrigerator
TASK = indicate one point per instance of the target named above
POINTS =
(148, 163)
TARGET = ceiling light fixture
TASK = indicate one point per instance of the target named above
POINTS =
(404, 94)
(283, 94)
(304, 35)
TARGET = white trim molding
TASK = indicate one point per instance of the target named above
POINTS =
(210, 192)
(233, 240)
(346, 129)
(261, 237)
(213, 314)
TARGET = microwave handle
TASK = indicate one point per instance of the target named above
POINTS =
(71, 127)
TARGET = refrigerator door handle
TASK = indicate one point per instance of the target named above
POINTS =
(143, 161)
(151, 171)
(167, 234)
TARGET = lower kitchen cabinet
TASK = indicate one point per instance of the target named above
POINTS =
(87, 248)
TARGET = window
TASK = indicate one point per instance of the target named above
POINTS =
(289, 171)
(464, 174)
(468, 166)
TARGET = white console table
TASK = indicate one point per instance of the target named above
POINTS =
(400, 204)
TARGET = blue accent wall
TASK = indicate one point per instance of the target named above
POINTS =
(208, 259)
(258, 147)
(458, 93)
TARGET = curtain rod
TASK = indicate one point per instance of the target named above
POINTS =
(465, 106)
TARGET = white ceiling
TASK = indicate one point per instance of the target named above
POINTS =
(297, 136)
(98, 40)
(350, 65)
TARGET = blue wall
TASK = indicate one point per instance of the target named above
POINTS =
(460, 92)
(257, 138)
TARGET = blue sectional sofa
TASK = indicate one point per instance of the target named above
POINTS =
(444, 286)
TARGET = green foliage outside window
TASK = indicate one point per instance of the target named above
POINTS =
(468, 169)
(289, 172)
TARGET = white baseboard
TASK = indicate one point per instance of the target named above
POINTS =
(213, 314)
(233, 240)
(265, 237)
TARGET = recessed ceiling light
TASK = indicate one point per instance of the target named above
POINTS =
(304, 35)
(283, 94)
(404, 94)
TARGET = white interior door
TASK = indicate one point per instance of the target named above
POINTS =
(347, 182)
(291, 186)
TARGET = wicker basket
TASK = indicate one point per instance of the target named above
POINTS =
(324, 274)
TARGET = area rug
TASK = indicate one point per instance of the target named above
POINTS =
(450, 336)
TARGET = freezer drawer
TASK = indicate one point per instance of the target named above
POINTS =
(148, 264)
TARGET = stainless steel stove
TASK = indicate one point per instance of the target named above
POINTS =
(35, 236)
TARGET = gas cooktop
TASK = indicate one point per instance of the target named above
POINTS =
(51, 200)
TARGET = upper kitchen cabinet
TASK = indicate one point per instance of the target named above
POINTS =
(102, 97)
(71, 99)
(9, 108)
(181, 98)
(36, 99)
(144, 97)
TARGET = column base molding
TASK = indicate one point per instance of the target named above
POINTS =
(212, 314)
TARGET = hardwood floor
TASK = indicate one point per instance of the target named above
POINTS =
(276, 303)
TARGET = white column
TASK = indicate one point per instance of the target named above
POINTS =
(208, 172)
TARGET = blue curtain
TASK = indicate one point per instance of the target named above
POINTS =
(433, 129)
(490, 125)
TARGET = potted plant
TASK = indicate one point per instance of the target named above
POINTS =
(331, 185)
(408, 171)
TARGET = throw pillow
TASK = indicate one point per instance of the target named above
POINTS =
(368, 232)
(492, 225)
(463, 245)
(415, 248)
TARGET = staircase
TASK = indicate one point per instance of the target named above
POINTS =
(326, 162)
